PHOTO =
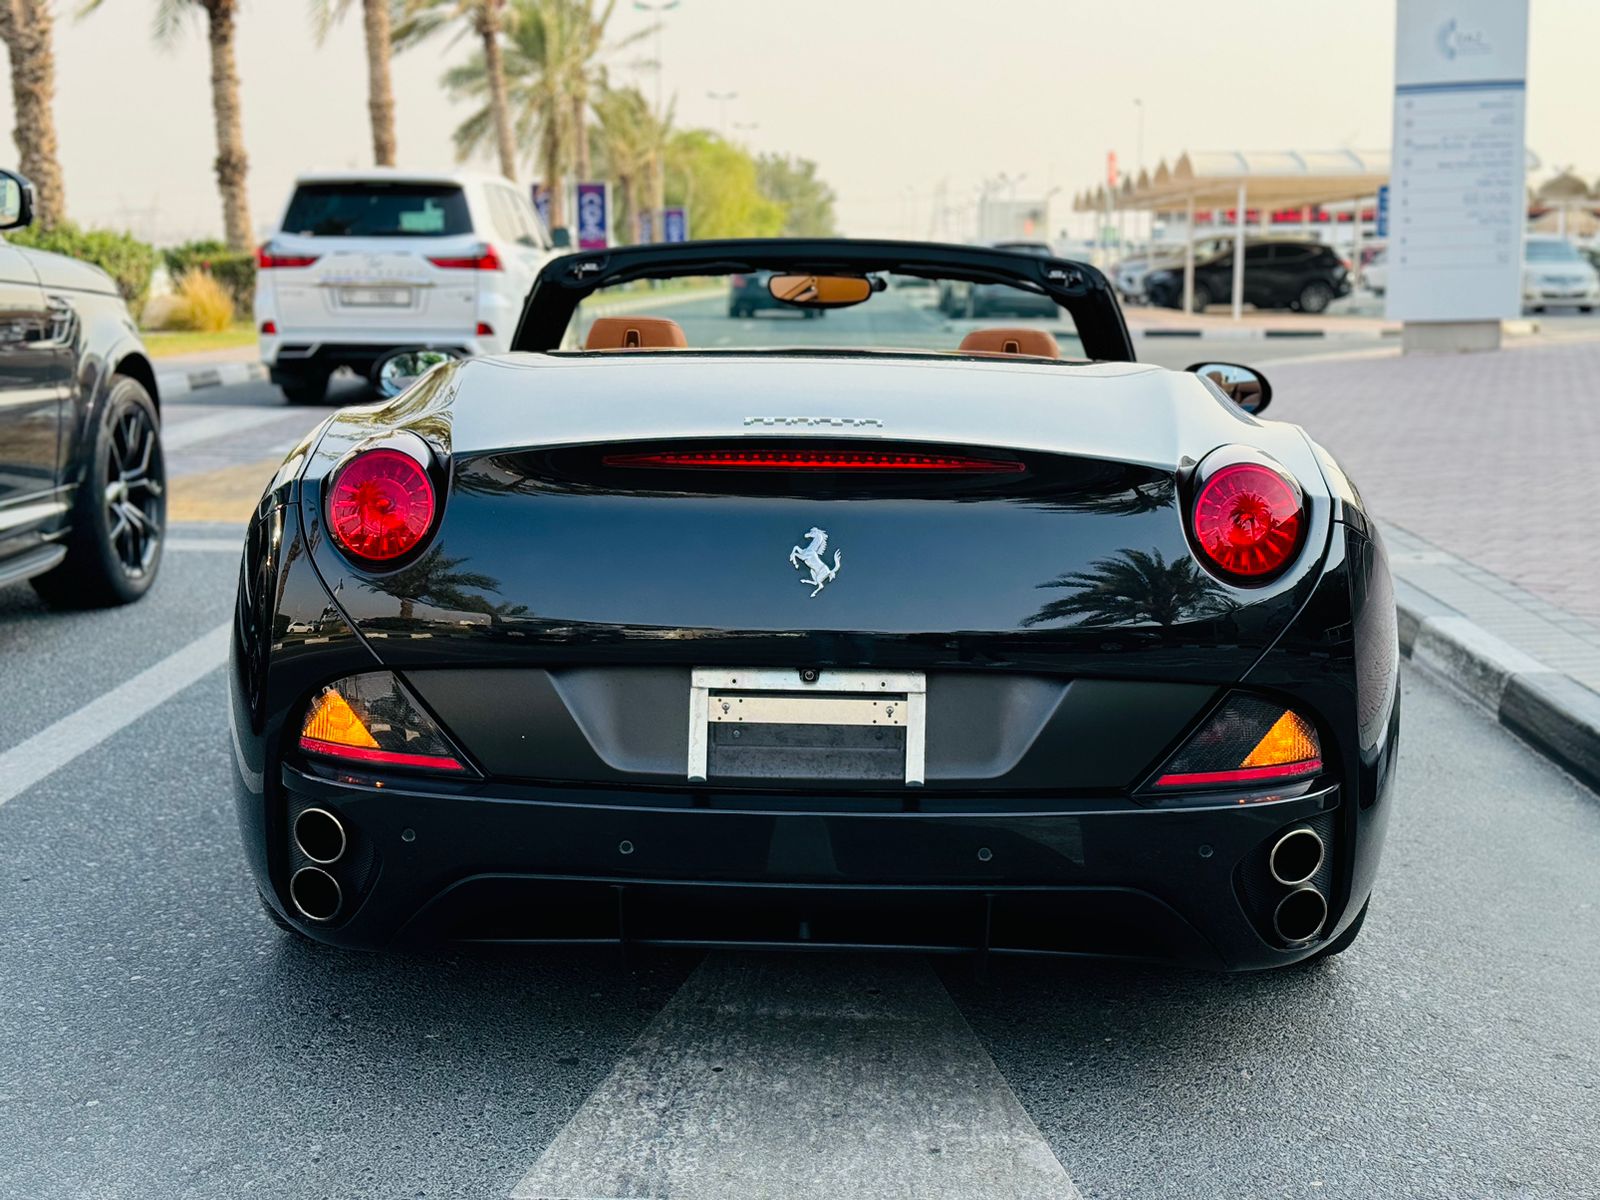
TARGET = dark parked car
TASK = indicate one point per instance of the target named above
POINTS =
(82, 484)
(978, 300)
(1298, 275)
(749, 294)
(901, 642)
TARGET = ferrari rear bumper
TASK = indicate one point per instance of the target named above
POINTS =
(1104, 878)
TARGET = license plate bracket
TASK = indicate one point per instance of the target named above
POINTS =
(844, 700)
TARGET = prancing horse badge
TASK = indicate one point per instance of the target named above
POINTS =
(809, 558)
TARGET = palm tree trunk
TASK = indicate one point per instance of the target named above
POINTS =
(499, 105)
(580, 136)
(232, 165)
(380, 89)
(550, 163)
(25, 26)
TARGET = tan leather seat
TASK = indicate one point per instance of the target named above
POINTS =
(1026, 343)
(635, 333)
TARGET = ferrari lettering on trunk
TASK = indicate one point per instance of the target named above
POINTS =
(809, 557)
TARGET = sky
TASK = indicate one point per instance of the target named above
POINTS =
(906, 105)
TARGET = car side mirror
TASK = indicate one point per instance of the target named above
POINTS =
(16, 201)
(1245, 386)
(561, 238)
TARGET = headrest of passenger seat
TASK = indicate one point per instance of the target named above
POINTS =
(635, 333)
(1031, 343)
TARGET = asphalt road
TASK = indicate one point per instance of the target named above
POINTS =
(161, 1039)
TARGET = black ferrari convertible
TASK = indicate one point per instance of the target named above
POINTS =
(890, 630)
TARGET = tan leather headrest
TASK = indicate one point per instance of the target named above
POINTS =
(1032, 343)
(635, 333)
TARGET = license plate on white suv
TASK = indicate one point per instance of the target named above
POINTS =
(375, 297)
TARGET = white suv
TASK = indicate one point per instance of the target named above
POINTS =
(371, 264)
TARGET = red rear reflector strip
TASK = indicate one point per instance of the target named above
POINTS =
(813, 460)
(485, 260)
(394, 758)
(1281, 771)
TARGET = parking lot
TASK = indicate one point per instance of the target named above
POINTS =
(167, 1040)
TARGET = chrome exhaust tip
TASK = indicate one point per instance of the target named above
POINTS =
(1296, 856)
(1300, 915)
(320, 835)
(315, 894)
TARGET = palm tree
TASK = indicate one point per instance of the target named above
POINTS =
(629, 142)
(25, 29)
(420, 19)
(232, 166)
(1135, 587)
(375, 16)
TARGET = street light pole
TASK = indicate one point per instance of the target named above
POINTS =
(1138, 168)
(722, 99)
(658, 7)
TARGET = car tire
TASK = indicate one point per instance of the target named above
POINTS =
(1586, 308)
(310, 388)
(1341, 943)
(119, 514)
(1315, 297)
(1202, 299)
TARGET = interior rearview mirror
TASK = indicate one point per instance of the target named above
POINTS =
(16, 201)
(820, 291)
(1245, 386)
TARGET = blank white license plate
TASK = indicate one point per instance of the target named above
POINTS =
(774, 703)
(375, 297)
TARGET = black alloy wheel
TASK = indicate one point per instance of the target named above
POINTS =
(119, 515)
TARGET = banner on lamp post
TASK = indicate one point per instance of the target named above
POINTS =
(647, 227)
(674, 225)
(541, 203)
(594, 215)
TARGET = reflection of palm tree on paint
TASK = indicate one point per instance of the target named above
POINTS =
(1135, 587)
(434, 580)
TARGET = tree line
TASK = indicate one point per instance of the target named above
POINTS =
(540, 93)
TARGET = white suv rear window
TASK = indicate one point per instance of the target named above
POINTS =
(377, 210)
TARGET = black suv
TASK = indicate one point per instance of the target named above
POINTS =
(82, 487)
(1304, 276)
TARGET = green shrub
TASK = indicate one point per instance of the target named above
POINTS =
(234, 270)
(122, 256)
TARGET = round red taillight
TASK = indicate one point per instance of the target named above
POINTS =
(380, 505)
(1248, 520)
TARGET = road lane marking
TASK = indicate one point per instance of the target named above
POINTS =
(180, 435)
(52, 748)
(848, 1077)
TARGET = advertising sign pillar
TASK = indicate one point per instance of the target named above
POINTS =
(594, 215)
(1457, 210)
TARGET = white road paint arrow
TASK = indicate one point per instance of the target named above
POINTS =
(787, 1077)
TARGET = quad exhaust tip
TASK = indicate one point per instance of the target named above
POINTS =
(316, 894)
(1296, 856)
(320, 836)
(1300, 915)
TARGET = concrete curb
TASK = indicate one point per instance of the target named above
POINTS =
(195, 379)
(1250, 333)
(1555, 714)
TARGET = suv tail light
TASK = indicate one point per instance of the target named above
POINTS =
(1248, 520)
(372, 718)
(483, 258)
(269, 260)
(380, 505)
(1248, 740)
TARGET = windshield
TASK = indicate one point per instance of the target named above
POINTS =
(1553, 252)
(903, 312)
(363, 209)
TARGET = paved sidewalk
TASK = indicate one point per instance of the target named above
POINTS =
(1481, 468)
